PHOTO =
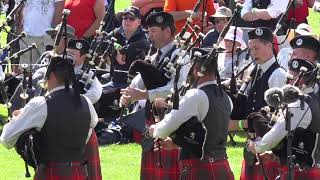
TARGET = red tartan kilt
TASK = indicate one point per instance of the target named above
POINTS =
(77, 172)
(196, 169)
(150, 166)
(306, 174)
(255, 172)
(91, 155)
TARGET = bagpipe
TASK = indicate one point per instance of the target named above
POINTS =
(86, 76)
(28, 147)
(190, 136)
(102, 53)
(28, 143)
(29, 87)
(301, 143)
(159, 75)
(101, 32)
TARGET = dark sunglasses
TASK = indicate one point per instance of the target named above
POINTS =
(128, 18)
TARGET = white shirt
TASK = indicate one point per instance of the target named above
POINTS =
(278, 77)
(2, 74)
(38, 16)
(162, 92)
(34, 115)
(275, 8)
(95, 91)
(300, 118)
(283, 57)
(194, 103)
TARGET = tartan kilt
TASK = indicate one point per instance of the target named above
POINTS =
(208, 169)
(150, 166)
(77, 172)
(91, 156)
(305, 174)
(255, 172)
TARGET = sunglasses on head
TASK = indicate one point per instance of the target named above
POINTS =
(128, 18)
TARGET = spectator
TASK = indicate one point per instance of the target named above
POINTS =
(133, 45)
(225, 59)
(85, 16)
(300, 13)
(263, 13)
(219, 20)
(181, 10)
(35, 18)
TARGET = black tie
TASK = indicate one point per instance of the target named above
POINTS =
(157, 58)
(259, 72)
(257, 75)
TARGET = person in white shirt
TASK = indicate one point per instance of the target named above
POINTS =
(263, 13)
(35, 18)
(161, 30)
(211, 107)
(54, 116)
(78, 49)
(266, 74)
(303, 119)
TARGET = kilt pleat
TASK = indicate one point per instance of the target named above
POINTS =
(61, 173)
(152, 169)
(304, 174)
(91, 155)
(196, 169)
(255, 172)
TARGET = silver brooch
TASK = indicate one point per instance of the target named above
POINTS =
(299, 42)
(259, 32)
(78, 45)
(295, 64)
(159, 19)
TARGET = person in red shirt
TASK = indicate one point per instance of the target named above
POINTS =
(182, 9)
(300, 13)
(85, 16)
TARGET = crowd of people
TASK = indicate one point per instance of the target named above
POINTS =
(159, 81)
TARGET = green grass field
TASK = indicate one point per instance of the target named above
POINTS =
(121, 161)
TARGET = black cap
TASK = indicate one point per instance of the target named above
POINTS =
(296, 64)
(308, 42)
(261, 33)
(81, 45)
(134, 11)
(160, 19)
(60, 63)
(202, 54)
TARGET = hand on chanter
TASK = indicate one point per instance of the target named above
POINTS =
(134, 93)
(125, 100)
